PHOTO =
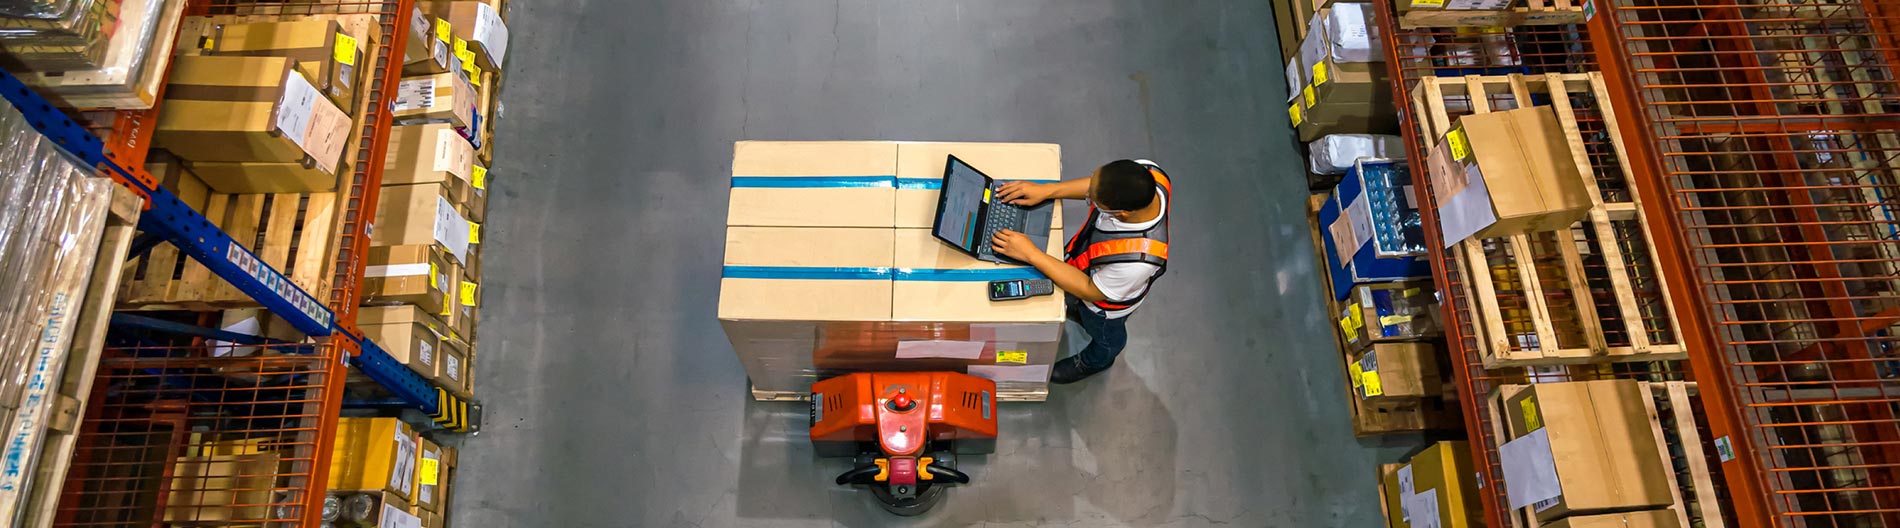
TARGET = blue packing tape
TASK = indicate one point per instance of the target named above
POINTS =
(796, 272)
(803, 182)
(927, 184)
(966, 275)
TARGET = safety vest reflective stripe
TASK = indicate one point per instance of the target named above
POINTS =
(1121, 246)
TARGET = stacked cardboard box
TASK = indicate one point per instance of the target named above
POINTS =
(1595, 440)
(830, 267)
(1337, 84)
(389, 476)
(1437, 486)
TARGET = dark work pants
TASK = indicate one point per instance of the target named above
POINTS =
(1106, 336)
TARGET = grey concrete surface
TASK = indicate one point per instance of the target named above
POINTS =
(614, 399)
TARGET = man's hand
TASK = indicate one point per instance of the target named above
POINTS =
(1014, 245)
(1025, 194)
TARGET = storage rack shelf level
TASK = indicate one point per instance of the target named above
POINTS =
(194, 235)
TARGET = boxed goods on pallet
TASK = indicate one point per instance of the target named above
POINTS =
(1582, 447)
(374, 455)
(254, 110)
(1488, 13)
(432, 153)
(1504, 173)
(830, 266)
(1437, 486)
(1372, 228)
(133, 67)
(58, 35)
(410, 334)
(369, 510)
(421, 44)
(226, 482)
(1643, 519)
(1397, 372)
(1338, 153)
(478, 25)
(439, 98)
(420, 214)
(325, 53)
(1389, 312)
(430, 484)
(419, 274)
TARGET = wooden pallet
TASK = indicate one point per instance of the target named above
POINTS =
(1372, 419)
(1536, 13)
(82, 360)
(1702, 503)
(295, 233)
(1579, 336)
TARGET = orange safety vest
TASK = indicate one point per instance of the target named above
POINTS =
(1091, 248)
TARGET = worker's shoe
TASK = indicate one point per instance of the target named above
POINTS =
(1071, 370)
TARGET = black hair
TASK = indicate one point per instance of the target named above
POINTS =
(1124, 185)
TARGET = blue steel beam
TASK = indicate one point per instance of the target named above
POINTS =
(195, 235)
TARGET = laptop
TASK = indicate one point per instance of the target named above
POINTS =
(968, 215)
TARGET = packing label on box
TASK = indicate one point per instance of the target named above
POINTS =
(449, 158)
(454, 366)
(1422, 509)
(1293, 114)
(939, 349)
(468, 293)
(294, 111)
(478, 177)
(418, 22)
(402, 473)
(1360, 214)
(451, 230)
(1342, 234)
(492, 33)
(1532, 421)
(1530, 470)
(428, 473)
(1476, 5)
(474, 233)
(415, 94)
(1319, 73)
(1019, 357)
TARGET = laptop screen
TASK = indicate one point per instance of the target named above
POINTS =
(964, 192)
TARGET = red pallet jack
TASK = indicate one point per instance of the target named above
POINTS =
(904, 431)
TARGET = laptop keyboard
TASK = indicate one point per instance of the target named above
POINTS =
(1005, 216)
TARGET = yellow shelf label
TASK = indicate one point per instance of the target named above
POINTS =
(1532, 421)
(474, 74)
(1019, 357)
(468, 293)
(479, 177)
(1319, 73)
(442, 32)
(441, 281)
(1389, 320)
(1293, 113)
(1371, 382)
(1428, 3)
(1353, 371)
(474, 233)
(1308, 92)
(345, 49)
(428, 472)
(1460, 145)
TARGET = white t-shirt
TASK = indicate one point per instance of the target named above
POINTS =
(1125, 280)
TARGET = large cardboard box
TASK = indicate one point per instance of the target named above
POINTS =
(325, 54)
(374, 454)
(441, 57)
(1505, 173)
(249, 109)
(408, 333)
(415, 274)
(822, 275)
(1397, 372)
(468, 308)
(1601, 444)
(456, 376)
(480, 25)
(1441, 475)
(1642, 519)
(253, 177)
(429, 477)
(1389, 312)
(438, 98)
(221, 488)
(432, 153)
(420, 214)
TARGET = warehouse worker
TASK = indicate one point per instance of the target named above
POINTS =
(1110, 263)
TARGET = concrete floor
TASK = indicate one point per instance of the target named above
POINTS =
(613, 398)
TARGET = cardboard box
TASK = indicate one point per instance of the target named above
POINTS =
(415, 274)
(818, 277)
(251, 177)
(431, 520)
(325, 54)
(392, 511)
(439, 98)
(1601, 444)
(1643, 519)
(218, 489)
(372, 455)
(441, 57)
(1397, 372)
(429, 477)
(1504, 173)
(476, 207)
(408, 333)
(1389, 312)
(1350, 82)
(468, 309)
(420, 214)
(433, 153)
(250, 109)
(480, 25)
(455, 372)
(1441, 474)
(422, 40)
(1344, 220)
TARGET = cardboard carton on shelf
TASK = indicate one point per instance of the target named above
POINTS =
(438, 98)
(410, 334)
(479, 24)
(1388, 312)
(1398, 372)
(467, 308)
(1506, 173)
(476, 206)
(822, 275)
(422, 40)
(417, 274)
(1440, 478)
(1642, 519)
(441, 57)
(1600, 444)
(251, 109)
(257, 177)
(455, 371)
(430, 153)
(325, 53)
(374, 455)
(225, 487)
(420, 214)
(429, 478)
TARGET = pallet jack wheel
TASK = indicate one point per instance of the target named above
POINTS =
(927, 497)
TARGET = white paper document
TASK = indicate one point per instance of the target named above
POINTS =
(1422, 508)
(939, 349)
(1530, 474)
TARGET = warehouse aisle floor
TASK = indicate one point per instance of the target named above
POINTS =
(613, 398)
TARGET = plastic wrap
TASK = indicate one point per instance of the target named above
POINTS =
(133, 65)
(73, 38)
(1336, 153)
(49, 237)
